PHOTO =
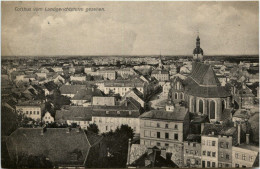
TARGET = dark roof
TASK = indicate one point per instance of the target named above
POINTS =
(62, 148)
(226, 114)
(87, 94)
(77, 113)
(194, 138)
(137, 82)
(71, 89)
(199, 119)
(122, 110)
(210, 127)
(203, 82)
(178, 114)
(242, 113)
(154, 158)
(50, 86)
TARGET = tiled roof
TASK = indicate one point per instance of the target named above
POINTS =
(71, 89)
(194, 138)
(87, 94)
(204, 75)
(178, 114)
(203, 82)
(241, 113)
(55, 143)
(209, 128)
(192, 88)
(124, 83)
(226, 114)
(77, 113)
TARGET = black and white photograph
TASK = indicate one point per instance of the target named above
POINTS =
(129, 84)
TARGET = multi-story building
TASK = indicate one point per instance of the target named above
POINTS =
(192, 151)
(245, 155)
(107, 74)
(80, 78)
(32, 109)
(79, 115)
(166, 128)
(121, 87)
(209, 145)
(161, 75)
(110, 117)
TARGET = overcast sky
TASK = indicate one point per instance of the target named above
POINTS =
(131, 28)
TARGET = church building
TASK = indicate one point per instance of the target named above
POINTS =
(201, 90)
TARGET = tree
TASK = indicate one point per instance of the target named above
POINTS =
(93, 128)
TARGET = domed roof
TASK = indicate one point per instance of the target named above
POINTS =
(198, 51)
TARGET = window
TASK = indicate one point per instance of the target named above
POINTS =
(213, 143)
(187, 151)
(197, 162)
(227, 156)
(208, 143)
(158, 135)
(166, 135)
(158, 124)
(203, 142)
(250, 158)
(219, 165)
(226, 165)
(243, 157)
(243, 166)
(221, 155)
(146, 133)
(237, 165)
(201, 106)
(175, 126)
(203, 164)
(118, 112)
(209, 153)
(30, 112)
(208, 163)
(158, 144)
(176, 136)
(191, 152)
(107, 112)
(227, 145)
(194, 144)
(212, 110)
(236, 155)
(166, 145)
(34, 112)
(221, 144)
(106, 128)
(196, 152)
(204, 153)
(213, 164)
(27, 112)
(213, 154)
(166, 126)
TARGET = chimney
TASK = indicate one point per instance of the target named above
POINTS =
(238, 134)
(128, 153)
(247, 139)
(163, 153)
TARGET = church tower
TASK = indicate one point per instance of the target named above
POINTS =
(198, 52)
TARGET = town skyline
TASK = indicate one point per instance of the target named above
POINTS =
(133, 28)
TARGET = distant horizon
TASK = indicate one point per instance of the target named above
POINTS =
(131, 28)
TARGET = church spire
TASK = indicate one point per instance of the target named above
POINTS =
(198, 52)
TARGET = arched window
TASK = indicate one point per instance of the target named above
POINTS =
(201, 106)
(176, 95)
(181, 96)
(223, 105)
(212, 109)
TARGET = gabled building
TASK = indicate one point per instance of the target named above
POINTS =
(63, 147)
(110, 117)
(192, 151)
(84, 96)
(47, 118)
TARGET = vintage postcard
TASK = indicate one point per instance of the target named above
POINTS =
(129, 84)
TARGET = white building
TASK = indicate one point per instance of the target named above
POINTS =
(47, 118)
